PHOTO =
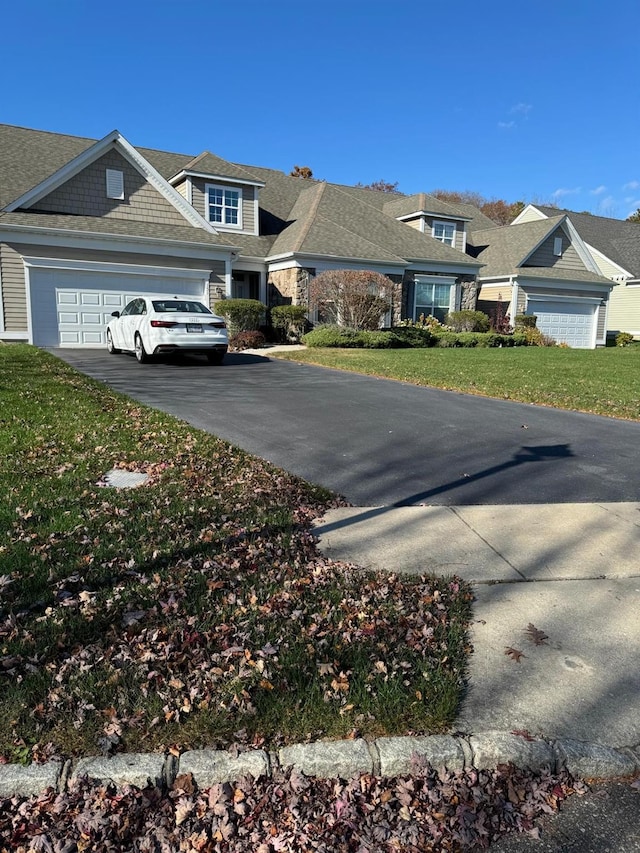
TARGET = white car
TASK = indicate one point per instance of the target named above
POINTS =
(152, 325)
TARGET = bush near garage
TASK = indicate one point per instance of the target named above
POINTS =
(242, 315)
(624, 339)
(526, 321)
(289, 322)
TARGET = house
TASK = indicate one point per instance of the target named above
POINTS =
(614, 246)
(86, 225)
(542, 266)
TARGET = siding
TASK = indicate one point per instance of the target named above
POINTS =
(492, 293)
(182, 189)
(530, 216)
(607, 269)
(459, 238)
(624, 309)
(544, 257)
(601, 331)
(14, 296)
(248, 198)
(86, 195)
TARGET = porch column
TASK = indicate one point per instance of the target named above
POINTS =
(227, 278)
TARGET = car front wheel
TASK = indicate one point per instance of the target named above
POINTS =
(110, 347)
(140, 351)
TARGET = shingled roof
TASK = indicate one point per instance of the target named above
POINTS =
(619, 240)
(504, 251)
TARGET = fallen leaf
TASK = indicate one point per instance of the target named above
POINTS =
(535, 635)
(514, 654)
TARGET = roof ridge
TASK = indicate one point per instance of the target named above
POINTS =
(318, 188)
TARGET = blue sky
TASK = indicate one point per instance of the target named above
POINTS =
(534, 100)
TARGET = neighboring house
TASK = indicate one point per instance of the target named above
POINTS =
(543, 267)
(87, 225)
(614, 246)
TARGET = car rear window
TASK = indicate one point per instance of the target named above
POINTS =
(181, 305)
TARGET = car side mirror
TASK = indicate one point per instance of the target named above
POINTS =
(115, 313)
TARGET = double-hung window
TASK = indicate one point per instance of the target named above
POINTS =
(445, 232)
(224, 206)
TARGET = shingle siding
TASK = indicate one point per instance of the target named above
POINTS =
(248, 198)
(545, 257)
(86, 195)
(459, 226)
(14, 297)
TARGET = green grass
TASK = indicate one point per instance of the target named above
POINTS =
(194, 610)
(601, 381)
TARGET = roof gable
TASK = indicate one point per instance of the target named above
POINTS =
(211, 166)
(92, 153)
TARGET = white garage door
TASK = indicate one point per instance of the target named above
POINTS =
(71, 308)
(567, 322)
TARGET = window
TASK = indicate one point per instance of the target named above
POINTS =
(224, 206)
(557, 246)
(445, 232)
(115, 183)
(432, 298)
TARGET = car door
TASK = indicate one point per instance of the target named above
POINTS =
(126, 324)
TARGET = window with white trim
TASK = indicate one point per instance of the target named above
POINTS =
(445, 232)
(224, 206)
(433, 297)
(557, 246)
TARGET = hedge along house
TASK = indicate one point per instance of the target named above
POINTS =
(542, 267)
(86, 225)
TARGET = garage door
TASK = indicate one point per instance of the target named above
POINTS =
(567, 322)
(71, 308)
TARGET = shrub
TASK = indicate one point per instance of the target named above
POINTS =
(468, 321)
(414, 336)
(331, 336)
(242, 315)
(289, 321)
(525, 321)
(624, 339)
(247, 340)
(536, 338)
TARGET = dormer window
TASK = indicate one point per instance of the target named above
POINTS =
(115, 183)
(224, 206)
(445, 232)
(557, 246)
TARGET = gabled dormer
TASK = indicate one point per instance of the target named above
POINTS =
(431, 216)
(225, 194)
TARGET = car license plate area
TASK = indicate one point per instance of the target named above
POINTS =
(194, 327)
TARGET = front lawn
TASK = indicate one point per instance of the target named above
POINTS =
(194, 610)
(602, 381)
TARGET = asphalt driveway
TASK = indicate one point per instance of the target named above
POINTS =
(380, 442)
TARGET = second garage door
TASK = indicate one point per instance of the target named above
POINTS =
(571, 323)
(71, 308)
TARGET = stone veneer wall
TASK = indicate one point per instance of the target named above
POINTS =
(288, 286)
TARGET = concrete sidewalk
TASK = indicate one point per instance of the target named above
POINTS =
(570, 570)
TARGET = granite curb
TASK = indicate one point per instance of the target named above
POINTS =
(386, 756)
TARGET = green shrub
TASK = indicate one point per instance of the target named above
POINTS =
(467, 321)
(414, 336)
(525, 321)
(331, 336)
(247, 340)
(624, 339)
(289, 321)
(242, 315)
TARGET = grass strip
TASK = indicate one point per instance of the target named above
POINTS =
(602, 381)
(194, 610)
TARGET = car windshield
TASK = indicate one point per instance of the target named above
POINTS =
(182, 305)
